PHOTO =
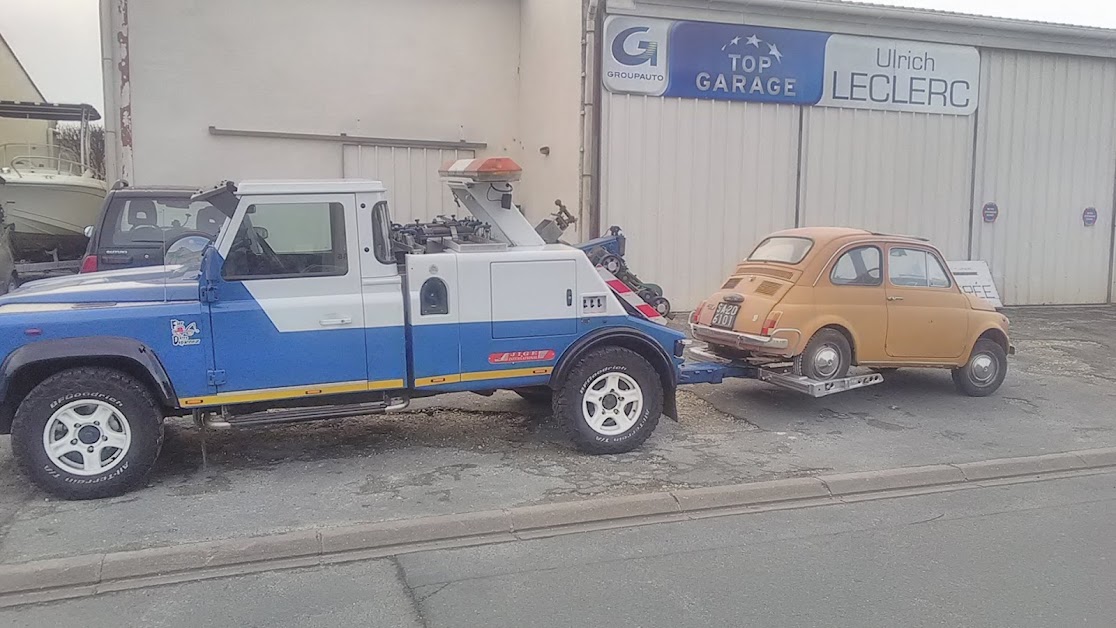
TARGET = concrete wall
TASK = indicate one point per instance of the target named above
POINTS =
(437, 70)
(15, 84)
(550, 103)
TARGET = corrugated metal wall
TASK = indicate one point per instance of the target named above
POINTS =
(695, 184)
(1046, 150)
(411, 177)
(907, 173)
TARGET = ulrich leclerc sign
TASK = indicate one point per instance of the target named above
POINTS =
(774, 65)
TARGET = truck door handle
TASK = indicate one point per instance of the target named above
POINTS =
(569, 298)
(895, 298)
(334, 322)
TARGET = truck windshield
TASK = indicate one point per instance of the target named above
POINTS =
(782, 250)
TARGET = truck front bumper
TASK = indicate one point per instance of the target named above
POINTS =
(738, 340)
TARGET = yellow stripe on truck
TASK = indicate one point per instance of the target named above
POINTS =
(479, 376)
(271, 394)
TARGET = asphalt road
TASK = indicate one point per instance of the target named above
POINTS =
(1030, 554)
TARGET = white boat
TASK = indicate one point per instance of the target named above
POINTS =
(48, 194)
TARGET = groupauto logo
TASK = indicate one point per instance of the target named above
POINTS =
(649, 50)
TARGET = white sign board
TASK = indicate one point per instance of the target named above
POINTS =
(896, 75)
(636, 59)
(973, 277)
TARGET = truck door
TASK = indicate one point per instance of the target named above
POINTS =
(286, 308)
(385, 334)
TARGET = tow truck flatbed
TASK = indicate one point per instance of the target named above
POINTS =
(704, 367)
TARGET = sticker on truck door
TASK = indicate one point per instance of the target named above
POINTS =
(513, 357)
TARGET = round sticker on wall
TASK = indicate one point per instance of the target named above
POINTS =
(1089, 216)
(990, 211)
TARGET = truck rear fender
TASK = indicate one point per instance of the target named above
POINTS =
(32, 363)
(632, 339)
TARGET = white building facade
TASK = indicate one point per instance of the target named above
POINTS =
(697, 126)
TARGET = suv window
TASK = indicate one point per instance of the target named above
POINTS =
(858, 267)
(289, 240)
(916, 268)
(156, 220)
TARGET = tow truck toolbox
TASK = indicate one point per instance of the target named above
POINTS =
(310, 304)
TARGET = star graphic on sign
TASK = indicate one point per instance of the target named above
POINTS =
(774, 51)
(754, 41)
(735, 41)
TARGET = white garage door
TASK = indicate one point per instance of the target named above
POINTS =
(695, 184)
(893, 172)
(1045, 149)
(410, 175)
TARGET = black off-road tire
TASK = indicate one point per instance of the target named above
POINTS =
(133, 400)
(824, 339)
(568, 400)
(540, 395)
(967, 379)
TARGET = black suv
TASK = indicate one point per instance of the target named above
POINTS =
(149, 226)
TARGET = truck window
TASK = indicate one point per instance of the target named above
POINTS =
(381, 233)
(283, 240)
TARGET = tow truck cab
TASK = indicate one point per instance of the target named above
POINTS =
(311, 304)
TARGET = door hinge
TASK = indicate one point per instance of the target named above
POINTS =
(216, 377)
(208, 293)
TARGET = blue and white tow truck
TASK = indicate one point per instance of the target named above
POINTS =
(310, 304)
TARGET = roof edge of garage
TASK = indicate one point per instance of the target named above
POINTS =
(875, 20)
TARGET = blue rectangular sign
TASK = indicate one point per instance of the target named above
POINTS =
(737, 62)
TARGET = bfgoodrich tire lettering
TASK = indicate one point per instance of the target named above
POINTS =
(632, 375)
(137, 415)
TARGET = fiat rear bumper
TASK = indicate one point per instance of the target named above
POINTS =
(739, 340)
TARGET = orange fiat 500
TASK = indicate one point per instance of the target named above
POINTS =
(830, 298)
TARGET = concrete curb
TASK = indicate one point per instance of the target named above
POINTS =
(77, 576)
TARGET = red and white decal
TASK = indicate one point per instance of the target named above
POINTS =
(514, 357)
(624, 292)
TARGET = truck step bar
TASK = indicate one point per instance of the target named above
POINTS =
(714, 369)
(226, 420)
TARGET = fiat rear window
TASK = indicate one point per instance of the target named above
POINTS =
(783, 250)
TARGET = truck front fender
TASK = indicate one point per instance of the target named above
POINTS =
(630, 339)
(35, 361)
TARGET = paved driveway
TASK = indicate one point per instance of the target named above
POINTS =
(465, 452)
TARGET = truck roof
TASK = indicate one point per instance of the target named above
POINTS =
(311, 186)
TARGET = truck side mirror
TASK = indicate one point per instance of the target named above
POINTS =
(261, 232)
(88, 231)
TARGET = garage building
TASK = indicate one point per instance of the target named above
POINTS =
(697, 126)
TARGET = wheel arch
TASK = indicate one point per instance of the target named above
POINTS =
(25, 367)
(631, 339)
(839, 325)
(995, 334)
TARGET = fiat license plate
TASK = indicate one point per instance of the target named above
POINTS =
(725, 315)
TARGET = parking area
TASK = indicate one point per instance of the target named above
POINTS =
(465, 452)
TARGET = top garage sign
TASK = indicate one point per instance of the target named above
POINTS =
(775, 65)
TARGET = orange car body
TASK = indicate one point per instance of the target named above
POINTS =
(893, 297)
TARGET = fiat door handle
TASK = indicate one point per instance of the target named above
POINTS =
(895, 298)
(334, 322)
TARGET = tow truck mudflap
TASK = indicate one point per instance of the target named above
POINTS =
(715, 372)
